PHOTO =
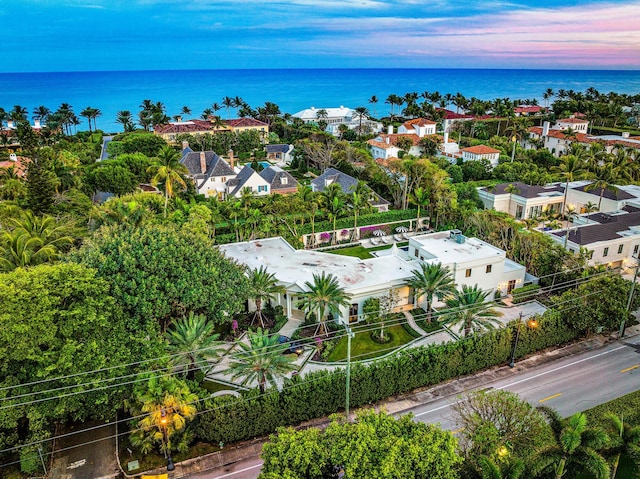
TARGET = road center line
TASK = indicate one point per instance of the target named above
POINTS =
(527, 379)
(239, 471)
(630, 369)
(550, 397)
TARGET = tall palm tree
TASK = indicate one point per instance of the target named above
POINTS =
(333, 201)
(511, 469)
(261, 360)
(323, 295)
(227, 101)
(41, 113)
(470, 309)
(263, 286)
(625, 438)
(575, 447)
(362, 113)
(606, 175)
(571, 168)
(168, 170)
(421, 198)
(185, 110)
(125, 118)
(359, 199)
(432, 279)
(191, 342)
(374, 101)
(88, 114)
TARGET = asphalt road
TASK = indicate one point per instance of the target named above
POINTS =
(569, 385)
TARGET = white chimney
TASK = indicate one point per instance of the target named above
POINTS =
(446, 138)
(545, 128)
(185, 145)
(13, 157)
(203, 162)
(390, 129)
(387, 140)
(36, 124)
(625, 134)
(10, 124)
(231, 159)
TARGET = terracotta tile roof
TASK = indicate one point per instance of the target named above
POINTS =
(572, 120)
(191, 126)
(452, 115)
(562, 135)
(480, 150)
(411, 124)
(529, 109)
(245, 123)
(380, 144)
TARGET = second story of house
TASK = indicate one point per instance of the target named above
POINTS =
(209, 172)
(247, 181)
(576, 124)
(611, 239)
(418, 126)
(523, 201)
(280, 153)
(279, 180)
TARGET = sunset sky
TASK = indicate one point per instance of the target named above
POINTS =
(85, 35)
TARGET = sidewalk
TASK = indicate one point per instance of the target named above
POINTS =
(400, 404)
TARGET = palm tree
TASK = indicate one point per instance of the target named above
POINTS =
(548, 94)
(227, 101)
(374, 100)
(571, 168)
(575, 447)
(470, 309)
(625, 439)
(360, 199)
(261, 360)
(166, 404)
(333, 201)
(125, 118)
(192, 342)
(490, 469)
(168, 170)
(263, 286)
(362, 113)
(185, 110)
(323, 295)
(421, 198)
(606, 177)
(88, 114)
(432, 279)
(41, 113)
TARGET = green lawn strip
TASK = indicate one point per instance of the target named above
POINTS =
(363, 347)
(362, 252)
(215, 386)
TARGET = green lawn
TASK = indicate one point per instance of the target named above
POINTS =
(363, 347)
(362, 252)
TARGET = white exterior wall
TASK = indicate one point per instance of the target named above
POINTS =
(630, 247)
(492, 157)
(580, 127)
(384, 153)
(254, 181)
(215, 186)
(579, 198)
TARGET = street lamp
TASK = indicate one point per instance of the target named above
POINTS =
(167, 450)
(532, 323)
(349, 336)
(633, 287)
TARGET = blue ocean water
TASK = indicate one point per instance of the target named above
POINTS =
(291, 89)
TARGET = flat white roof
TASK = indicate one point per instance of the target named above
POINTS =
(297, 266)
(440, 248)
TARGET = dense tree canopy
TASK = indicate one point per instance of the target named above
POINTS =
(159, 273)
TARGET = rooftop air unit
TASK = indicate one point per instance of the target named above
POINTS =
(457, 236)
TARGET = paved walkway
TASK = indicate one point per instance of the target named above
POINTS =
(290, 327)
(412, 322)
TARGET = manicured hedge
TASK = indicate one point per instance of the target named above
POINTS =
(364, 220)
(526, 293)
(322, 393)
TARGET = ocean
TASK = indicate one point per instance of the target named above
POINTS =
(291, 89)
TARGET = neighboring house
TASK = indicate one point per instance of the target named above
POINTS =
(527, 110)
(523, 201)
(18, 163)
(579, 195)
(481, 152)
(247, 180)
(576, 124)
(336, 117)
(347, 184)
(239, 125)
(170, 131)
(470, 260)
(281, 154)
(279, 181)
(209, 172)
(611, 238)
(449, 118)
(385, 145)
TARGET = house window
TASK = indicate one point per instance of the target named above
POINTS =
(635, 249)
(223, 179)
(620, 249)
(353, 313)
(591, 254)
(467, 273)
(284, 180)
(262, 188)
(606, 252)
(415, 252)
(489, 268)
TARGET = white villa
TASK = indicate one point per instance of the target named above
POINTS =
(385, 145)
(336, 117)
(481, 152)
(471, 261)
(522, 201)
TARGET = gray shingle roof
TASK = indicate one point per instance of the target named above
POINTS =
(274, 175)
(525, 191)
(609, 193)
(609, 227)
(215, 166)
(280, 148)
(347, 184)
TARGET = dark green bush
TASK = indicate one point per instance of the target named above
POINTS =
(526, 293)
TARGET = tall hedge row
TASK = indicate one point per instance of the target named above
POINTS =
(322, 393)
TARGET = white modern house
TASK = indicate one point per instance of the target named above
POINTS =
(471, 261)
(334, 117)
(523, 201)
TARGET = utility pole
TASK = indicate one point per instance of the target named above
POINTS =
(348, 385)
(623, 322)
